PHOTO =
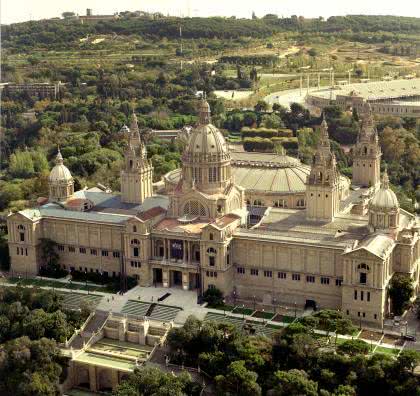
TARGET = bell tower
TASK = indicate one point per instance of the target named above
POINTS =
(322, 185)
(367, 152)
(137, 175)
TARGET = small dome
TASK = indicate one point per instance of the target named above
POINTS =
(385, 198)
(60, 173)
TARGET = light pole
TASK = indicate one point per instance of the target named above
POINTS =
(295, 309)
(224, 307)
(254, 302)
(274, 303)
(234, 297)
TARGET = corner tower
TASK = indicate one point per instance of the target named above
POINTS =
(322, 185)
(367, 152)
(137, 175)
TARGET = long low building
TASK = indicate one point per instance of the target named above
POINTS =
(340, 249)
(396, 97)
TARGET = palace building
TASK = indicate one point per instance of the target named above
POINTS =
(260, 227)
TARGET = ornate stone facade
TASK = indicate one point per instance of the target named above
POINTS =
(340, 251)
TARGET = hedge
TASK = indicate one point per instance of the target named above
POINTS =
(266, 132)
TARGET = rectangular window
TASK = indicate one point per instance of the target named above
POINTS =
(375, 316)
(26, 251)
(254, 271)
(212, 286)
(281, 275)
(116, 254)
(338, 282)
(22, 236)
(362, 295)
(211, 261)
(310, 279)
(93, 252)
(363, 278)
(82, 250)
(17, 251)
(240, 270)
(325, 280)
(348, 312)
(60, 248)
(135, 252)
(368, 296)
(72, 249)
(358, 314)
(364, 314)
(355, 294)
(268, 274)
(104, 253)
(296, 277)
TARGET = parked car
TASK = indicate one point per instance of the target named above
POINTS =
(408, 337)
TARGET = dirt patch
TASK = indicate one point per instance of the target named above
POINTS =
(370, 335)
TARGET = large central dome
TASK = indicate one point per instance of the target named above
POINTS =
(206, 159)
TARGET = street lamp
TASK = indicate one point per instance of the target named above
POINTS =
(295, 309)
(254, 301)
(274, 303)
(234, 297)
(224, 307)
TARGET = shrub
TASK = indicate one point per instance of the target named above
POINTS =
(213, 297)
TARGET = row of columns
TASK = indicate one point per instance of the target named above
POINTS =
(187, 249)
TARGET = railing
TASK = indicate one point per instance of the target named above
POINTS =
(174, 262)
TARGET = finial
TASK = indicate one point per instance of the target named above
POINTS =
(134, 125)
(385, 179)
(324, 129)
(204, 112)
(59, 157)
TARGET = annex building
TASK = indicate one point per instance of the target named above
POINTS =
(400, 98)
(257, 226)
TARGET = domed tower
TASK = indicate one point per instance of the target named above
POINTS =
(137, 175)
(322, 185)
(60, 181)
(206, 188)
(384, 209)
(367, 152)
(206, 159)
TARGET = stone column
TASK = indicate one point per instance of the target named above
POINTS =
(185, 280)
(92, 379)
(114, 379)
(165, 277)
(184, 250)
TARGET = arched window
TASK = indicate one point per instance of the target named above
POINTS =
(21, 229)
(194, 208)
(212, 256)
(363, 266)
(363, 269)
(211, 250)
(257, 202)
(135, 242)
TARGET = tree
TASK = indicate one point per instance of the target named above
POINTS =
(409, 359)
(261, 106)
(30, 367)
(149, 381)
(354, 347)
(68, 14)
(294, 383)
(213, 297)
(401, 290)
(21, 164)
(238, 381)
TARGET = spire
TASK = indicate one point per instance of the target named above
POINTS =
(385, 179)
(324, 138)
(134, 127)
(59, 157)
(203, 112)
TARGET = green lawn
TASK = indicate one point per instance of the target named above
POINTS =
(388, 351)
(56, 284)
(243, 311)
